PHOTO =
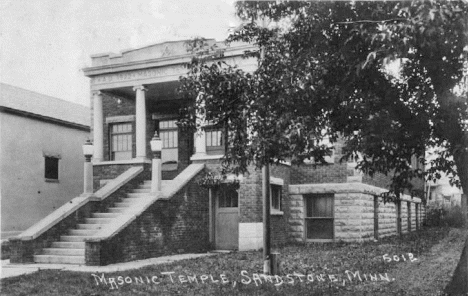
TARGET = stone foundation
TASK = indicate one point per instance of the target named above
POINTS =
(353, 212)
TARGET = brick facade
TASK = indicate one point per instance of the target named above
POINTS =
(177, 225)
(23, 251)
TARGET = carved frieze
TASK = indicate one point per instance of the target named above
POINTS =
(139, 74)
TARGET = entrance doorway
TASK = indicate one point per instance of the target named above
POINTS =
(226, 218)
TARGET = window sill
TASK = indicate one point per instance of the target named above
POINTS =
(276, 213)
(319, 240)
(128, 161)
(169, 167)
(206, 156)
(52, 180)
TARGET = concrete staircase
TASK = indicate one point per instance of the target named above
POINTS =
(70, 249)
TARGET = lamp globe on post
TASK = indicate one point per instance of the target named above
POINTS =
(88, 150)
(156, 148)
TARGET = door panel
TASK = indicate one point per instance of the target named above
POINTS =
(227, 229)
(227, 219)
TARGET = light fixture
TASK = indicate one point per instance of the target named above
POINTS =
(156, 143)
(88, 150)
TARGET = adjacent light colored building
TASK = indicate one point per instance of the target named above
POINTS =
(441, 193)
(41, 157)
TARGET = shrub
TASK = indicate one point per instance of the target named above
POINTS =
(444, 216)
(5, 249)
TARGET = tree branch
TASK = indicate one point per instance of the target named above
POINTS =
(372, 22)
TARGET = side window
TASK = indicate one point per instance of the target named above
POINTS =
(276, 197)
(51, 172)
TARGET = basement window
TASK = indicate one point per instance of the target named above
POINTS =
(319, 219)
(51, 172)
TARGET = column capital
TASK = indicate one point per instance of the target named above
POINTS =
(139, 87)
(97, 93)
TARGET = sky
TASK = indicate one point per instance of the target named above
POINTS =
(44, 44)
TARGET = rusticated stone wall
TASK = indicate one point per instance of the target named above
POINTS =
(354, 212)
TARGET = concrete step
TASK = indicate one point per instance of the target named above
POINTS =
(98, 220)
(85, 232)
(145, 186)
(117, 210)
(105, 215)
(138, 195)
(89, 226)
(74, 238)
(131, 200)
(142, 190)
(59, 259)
(71, 245)
(63, 252)
(125, 203)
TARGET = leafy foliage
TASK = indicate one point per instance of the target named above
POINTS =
(324, 70)
(213, 180)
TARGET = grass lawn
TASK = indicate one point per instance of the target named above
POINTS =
(311, 269)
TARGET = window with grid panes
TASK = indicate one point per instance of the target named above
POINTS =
(228, 197)
(319, 220)
(214, 140)
(121, 141)
(168, 133)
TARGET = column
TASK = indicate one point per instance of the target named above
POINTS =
(140, 122)
(200, 136)
(98, 130)
(200, 143)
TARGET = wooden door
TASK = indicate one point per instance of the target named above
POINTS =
(227, 218)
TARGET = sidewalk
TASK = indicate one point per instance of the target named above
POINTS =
(12, 270)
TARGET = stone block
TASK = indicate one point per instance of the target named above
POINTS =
(297, 228)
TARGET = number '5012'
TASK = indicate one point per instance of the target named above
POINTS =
(397, 258)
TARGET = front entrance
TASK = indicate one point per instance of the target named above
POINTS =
(226, 218)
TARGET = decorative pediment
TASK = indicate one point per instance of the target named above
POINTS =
(150, 52)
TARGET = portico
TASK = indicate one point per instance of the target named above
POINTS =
(136, 90)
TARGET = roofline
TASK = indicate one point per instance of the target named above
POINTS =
(138, 48)
(48, 119)
(165, 60)
(43, 95)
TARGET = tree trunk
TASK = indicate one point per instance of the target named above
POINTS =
(266, 219)
(461, 161)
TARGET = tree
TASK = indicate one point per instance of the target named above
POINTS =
(325, 74)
